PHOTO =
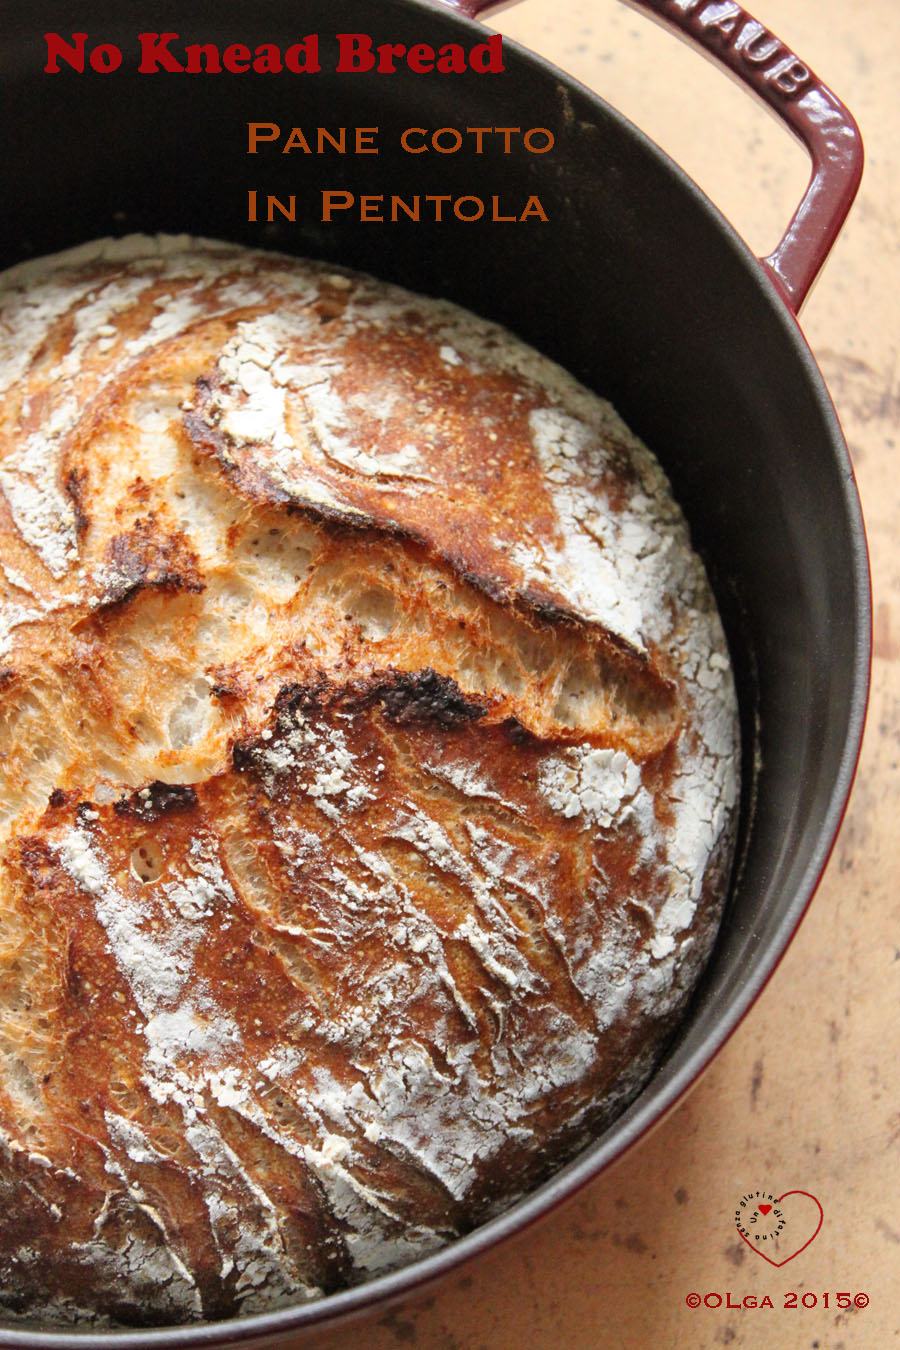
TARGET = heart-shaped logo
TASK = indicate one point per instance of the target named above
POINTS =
(799, 1221)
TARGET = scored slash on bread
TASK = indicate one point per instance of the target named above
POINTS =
(369, 763)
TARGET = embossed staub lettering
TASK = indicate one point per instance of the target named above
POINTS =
(727, 23)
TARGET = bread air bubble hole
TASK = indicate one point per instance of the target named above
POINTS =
(147, 862)
(189, 719)
(375, 610)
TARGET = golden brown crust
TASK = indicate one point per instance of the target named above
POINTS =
(367, 741)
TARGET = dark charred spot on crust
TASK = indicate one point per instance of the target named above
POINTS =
(423, 696)
(57, 798)
(74, 485)
(306, 697)
(158, 799)
(519, 735)
(407, 696)
(144, 558)
(245, 754)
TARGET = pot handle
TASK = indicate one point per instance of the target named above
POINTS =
(726, 33)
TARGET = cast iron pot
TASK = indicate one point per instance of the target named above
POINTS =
(635, 283)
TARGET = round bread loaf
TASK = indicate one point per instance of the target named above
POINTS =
(368, 765)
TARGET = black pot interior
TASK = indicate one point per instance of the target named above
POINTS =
(633, 283)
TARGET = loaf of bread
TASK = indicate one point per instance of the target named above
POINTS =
(368, 767)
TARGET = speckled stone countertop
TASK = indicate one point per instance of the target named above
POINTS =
(806, 1095)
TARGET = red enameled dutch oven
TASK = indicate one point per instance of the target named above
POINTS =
(635, 283)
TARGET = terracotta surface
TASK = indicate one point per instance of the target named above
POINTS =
(807, 1093)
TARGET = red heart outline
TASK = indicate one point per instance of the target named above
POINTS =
(799, 1249)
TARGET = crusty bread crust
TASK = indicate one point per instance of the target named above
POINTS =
(368, 766)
